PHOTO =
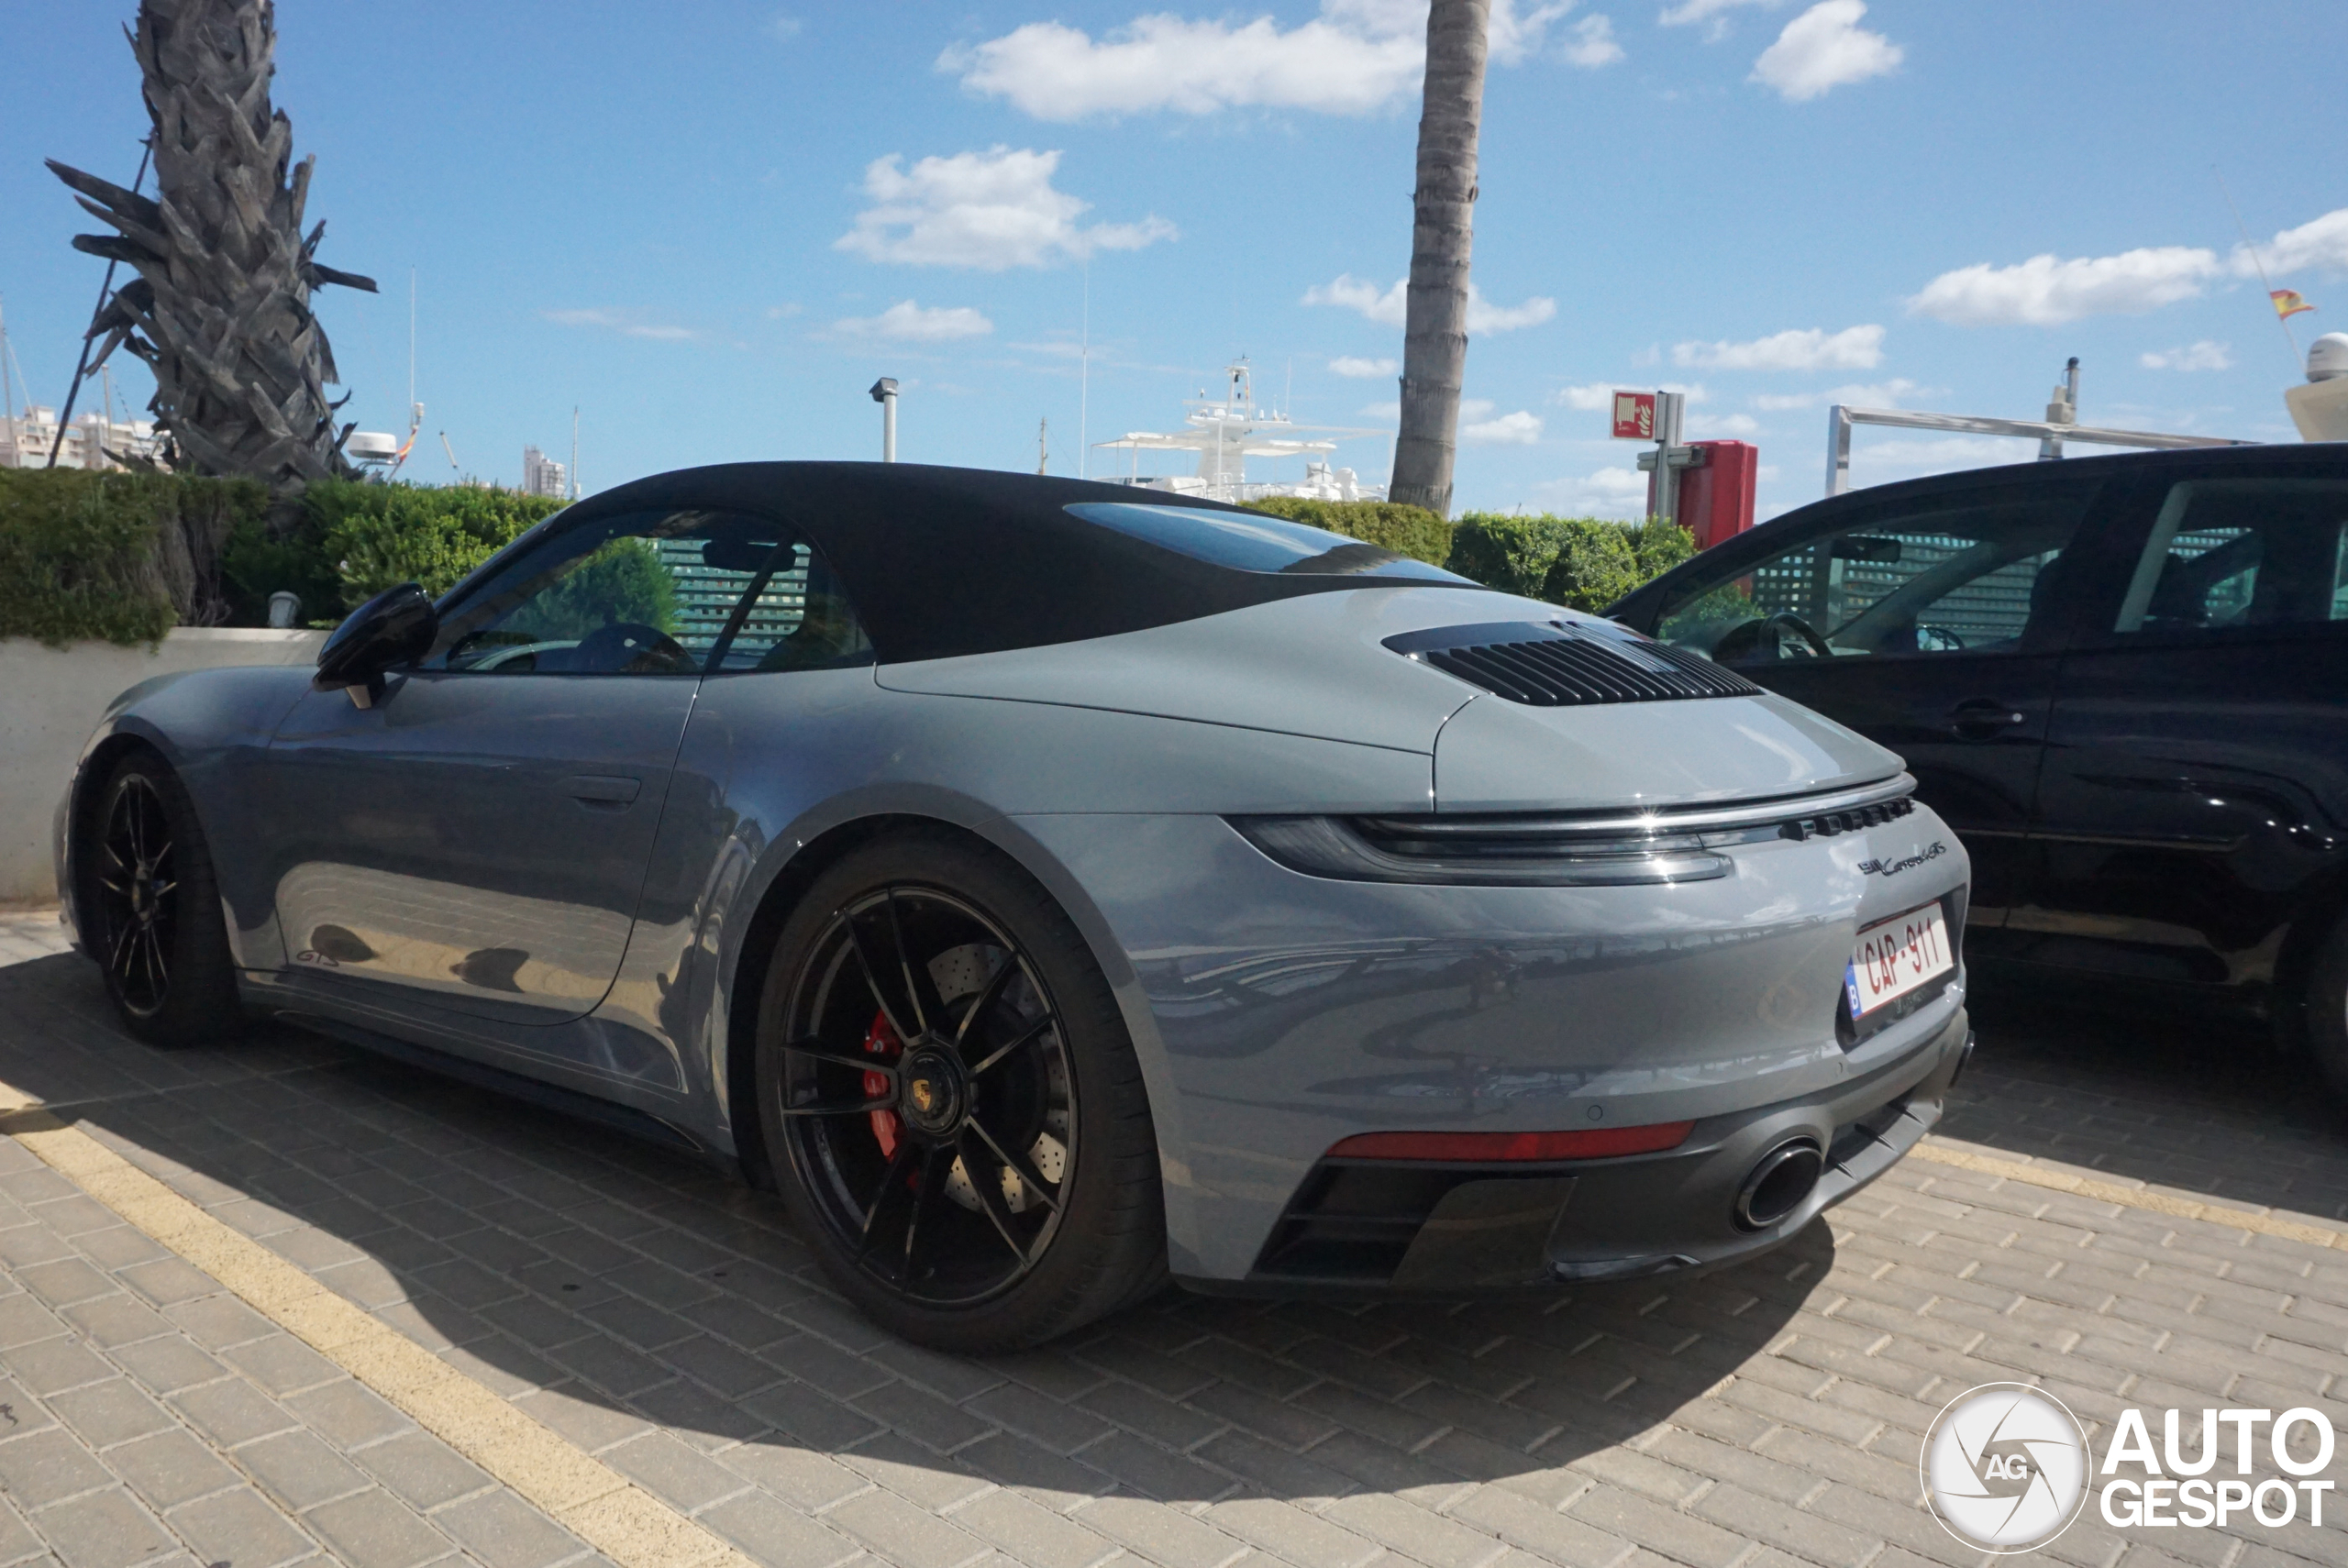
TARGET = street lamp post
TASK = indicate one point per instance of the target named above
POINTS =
(884, 393)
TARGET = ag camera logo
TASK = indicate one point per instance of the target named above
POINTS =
(2006, 1467)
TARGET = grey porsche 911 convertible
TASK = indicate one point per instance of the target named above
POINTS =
(1052, 887)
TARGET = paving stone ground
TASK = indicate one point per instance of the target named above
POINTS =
(664, 1319)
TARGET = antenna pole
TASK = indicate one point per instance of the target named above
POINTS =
(2297, 361)
(1084, 377)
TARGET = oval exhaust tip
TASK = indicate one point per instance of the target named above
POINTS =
(1778, 1184)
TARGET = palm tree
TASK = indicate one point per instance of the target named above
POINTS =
(220, 311)
(1434, 339)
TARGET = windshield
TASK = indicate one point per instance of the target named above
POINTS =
(1248, 541)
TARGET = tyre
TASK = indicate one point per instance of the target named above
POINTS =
(951, 1103)
(154, 917)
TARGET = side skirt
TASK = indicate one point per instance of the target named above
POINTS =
(551, 1096)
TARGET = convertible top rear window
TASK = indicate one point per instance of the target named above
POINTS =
(1249, 542)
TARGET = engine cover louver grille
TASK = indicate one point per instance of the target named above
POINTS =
(1551, 666)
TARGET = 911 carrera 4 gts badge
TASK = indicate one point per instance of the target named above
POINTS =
(1893, 869)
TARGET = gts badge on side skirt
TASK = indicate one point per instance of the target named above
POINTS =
(1893, 868)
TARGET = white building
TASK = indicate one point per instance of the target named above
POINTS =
(93, 441)
(541, 475)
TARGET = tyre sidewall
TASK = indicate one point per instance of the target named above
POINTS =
(200, 1001)
(1070, 1273)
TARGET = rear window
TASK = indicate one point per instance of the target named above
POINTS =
(1248, 542)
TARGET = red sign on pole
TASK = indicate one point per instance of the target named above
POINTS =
(1633, 416)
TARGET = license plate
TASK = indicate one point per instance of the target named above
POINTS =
(1894, 957)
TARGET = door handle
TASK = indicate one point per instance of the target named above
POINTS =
(1981, 718)
(601, 788)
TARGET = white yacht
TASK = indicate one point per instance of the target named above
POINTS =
(1225, 433)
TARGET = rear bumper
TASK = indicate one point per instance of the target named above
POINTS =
(1276, 1014)
(1412, 1228)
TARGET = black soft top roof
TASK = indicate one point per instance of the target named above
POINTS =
(941, 561)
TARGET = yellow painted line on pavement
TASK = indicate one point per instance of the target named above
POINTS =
(2129, 1196)
(603, 1508)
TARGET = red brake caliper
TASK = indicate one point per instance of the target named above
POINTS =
(881, 1041)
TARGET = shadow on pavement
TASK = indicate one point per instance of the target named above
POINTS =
(607, 1285)
(2205, 1106)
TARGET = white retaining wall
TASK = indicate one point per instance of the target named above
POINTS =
(49, 701)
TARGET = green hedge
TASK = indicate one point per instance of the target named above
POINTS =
(1583, 563)
(355, 540)
(1411, 531)
(122, 558)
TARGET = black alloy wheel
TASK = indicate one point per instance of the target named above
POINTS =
(137, 895)
(932, 1095)
(152, 913)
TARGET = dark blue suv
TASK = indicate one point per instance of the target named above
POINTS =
(2123, 680)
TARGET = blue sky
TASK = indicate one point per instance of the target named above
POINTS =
(710, 226)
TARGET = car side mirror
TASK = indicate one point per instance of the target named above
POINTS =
(396, 627)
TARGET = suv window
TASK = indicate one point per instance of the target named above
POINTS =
(2235, 553)
(1957, 574)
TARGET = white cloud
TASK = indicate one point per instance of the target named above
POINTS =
(1518, 429)
(1824, 47)
(988, 210)
(1597, 397)
(2203, 355)
(1606, 492)
(1714, 427)
(620, 323)
(1593, 44)
(906, 322)
(1512, 35)
(1357, 293)
(1710, 11)
(1349, 365)
(1485, 316)
(1392, 308)
(2048, 291)
(783, 27)
(2322, 243)
(1355, 57)
(1872, 394)
(1812, 348)
(1390, 411)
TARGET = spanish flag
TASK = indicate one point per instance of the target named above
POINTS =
(2287, 302)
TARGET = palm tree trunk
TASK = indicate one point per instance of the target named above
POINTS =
(1435, 339)
(220, 311)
